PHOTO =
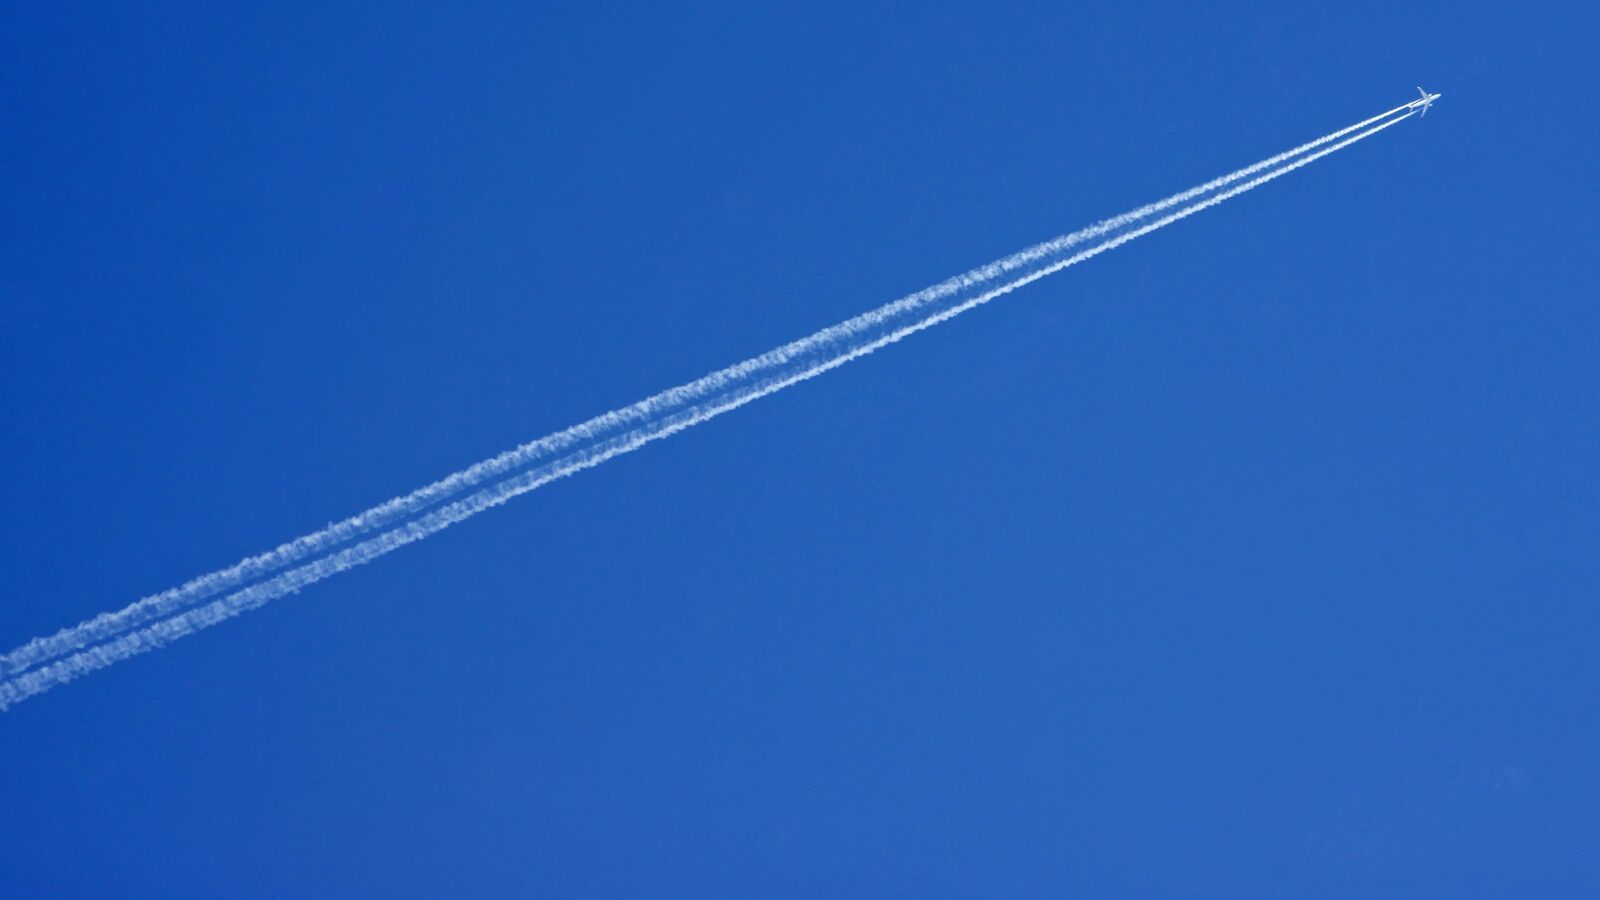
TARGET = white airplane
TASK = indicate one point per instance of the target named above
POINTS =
(1424, 103)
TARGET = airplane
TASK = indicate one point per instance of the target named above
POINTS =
(1424, 103)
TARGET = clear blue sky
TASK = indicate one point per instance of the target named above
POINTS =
(1255, 559)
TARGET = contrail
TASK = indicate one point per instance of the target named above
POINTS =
(156, 606)
(148, 638)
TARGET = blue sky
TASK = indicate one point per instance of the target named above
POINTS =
(1255, 558)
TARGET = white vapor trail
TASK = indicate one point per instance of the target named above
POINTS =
(156, 606)
(651, 424)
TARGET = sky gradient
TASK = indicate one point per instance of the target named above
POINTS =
(1254, 558)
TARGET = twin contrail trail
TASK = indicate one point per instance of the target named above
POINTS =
(159, 619)
(160, 605)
